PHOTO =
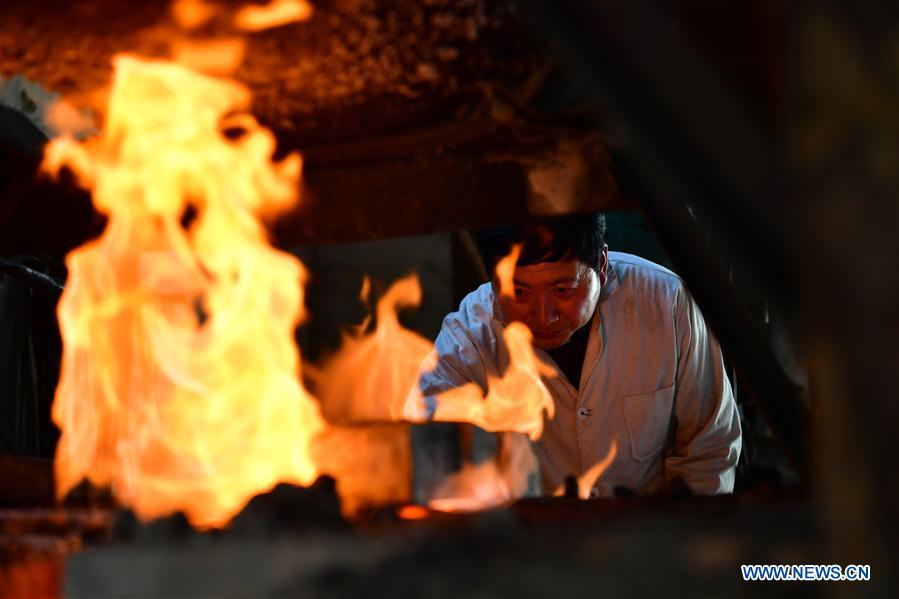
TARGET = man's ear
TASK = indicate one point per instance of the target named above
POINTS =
(604, 265)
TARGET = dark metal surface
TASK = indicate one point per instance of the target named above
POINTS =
(30, 276)
(551, 548)
(30, 347)
(846, 116)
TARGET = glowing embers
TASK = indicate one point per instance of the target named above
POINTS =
(412, 512)
(180, 377)
(255, 17)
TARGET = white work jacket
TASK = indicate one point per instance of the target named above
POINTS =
(653, 380)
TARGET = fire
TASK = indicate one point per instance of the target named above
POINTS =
(180, 376)
(374, 377)
(191, 14)
(514, 405)
(505, 272)
(180, 380)
(516, 400)
(588, 478)
(370, 377)
(412, 512)
(475, 487)
(213, 56)
(490, 483)
(253, 17)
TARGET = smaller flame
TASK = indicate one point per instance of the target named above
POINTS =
(213, 56)
(491, 483)
(67, 121)
(365, 291)
(515, 401)
(505, 272)
(371, 374)
(475, 487)
(191, 14)
(254, 17)
(412, 512)
(358, 330)
(587, 479)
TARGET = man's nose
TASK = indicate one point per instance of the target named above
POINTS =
(546, 313)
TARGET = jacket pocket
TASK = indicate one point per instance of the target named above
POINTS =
(648, 418)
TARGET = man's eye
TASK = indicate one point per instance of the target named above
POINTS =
(520, 293)
(564, 291)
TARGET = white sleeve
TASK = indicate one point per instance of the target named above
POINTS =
(458, 358)
(708, 438)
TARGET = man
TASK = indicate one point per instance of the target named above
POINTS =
(637, 364)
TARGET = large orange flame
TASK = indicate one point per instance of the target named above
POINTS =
(180, 376)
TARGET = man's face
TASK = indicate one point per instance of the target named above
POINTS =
(554, 299)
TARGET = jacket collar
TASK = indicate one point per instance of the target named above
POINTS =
(611, 283)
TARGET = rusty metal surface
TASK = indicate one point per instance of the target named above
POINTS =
(419, 116)
(35, 542)
(356, 68)
(34, 524)
(56, 530)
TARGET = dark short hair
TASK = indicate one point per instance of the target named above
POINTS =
(553, 239)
